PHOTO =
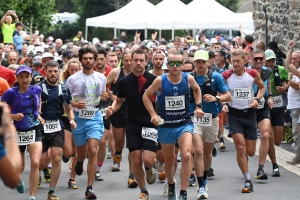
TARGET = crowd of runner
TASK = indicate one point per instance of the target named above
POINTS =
(159, 97)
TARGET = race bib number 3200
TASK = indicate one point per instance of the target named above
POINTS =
(25, 138)
(149, 133)
(87, 113)
(51, 126)
(242, 93)
(175, 103)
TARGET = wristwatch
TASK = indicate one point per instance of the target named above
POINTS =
(218, 98)
(199, 105)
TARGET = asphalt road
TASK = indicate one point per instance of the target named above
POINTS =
(226, 184)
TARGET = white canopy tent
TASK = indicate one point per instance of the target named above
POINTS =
(131, 16)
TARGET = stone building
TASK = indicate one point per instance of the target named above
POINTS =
(283, 21)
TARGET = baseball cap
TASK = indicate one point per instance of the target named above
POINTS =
(213, 41)
(273, 45)
(269, 54)
(193, 48)
(32, 52)
(23, 68)
(39, 49)
(37, 60)
(201, 55)
(47, 55)
(50, 38)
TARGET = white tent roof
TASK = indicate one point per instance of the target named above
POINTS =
(131, 16)
(166, 12)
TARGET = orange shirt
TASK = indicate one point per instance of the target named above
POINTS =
(3, 86)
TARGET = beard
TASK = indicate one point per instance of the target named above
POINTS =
(100, 66)
(87, 66)
(52, 82)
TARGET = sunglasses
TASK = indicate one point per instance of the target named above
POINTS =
(47, 41)
(258, 59)
(173, 63)
(187, 70)
(116, 42)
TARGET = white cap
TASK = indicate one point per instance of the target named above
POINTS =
(213, 41)
(95, 40)
(47, 55)
(122, 45)
(40, 49)
(50, 38)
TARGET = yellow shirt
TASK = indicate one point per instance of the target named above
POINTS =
(7, 31)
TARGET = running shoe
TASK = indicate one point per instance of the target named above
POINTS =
(210, 172)
(117, 158)
(132, 183)
(72, 184)
(98, 176)
(261, 175)
(116, 167)
(178, 159)
(248, 187)
(222, 144)
(172, 194)
(65, 159)
(182, 197)
(150, 176)
(166, 188)
(89, 194)
(71, 164)
(79, 168)
(47, 175)
(108, 155)
(159, 167)
(202, 194)
(40, 182)
(31, 198)
(276, 172)
(205, 185)
(21, 187)
(214, 151)
(293, 161)
(192, 181)
(144, 196)
(52, 196)
(162, 176)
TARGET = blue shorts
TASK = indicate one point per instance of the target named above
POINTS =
(171, 135)
(88, 129)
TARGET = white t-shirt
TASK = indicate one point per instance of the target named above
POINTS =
(93, 82)
(294, 95)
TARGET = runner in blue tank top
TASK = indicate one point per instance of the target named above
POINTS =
(173, 102)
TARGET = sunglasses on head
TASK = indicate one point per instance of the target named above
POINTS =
(173, 63)
(258, 59)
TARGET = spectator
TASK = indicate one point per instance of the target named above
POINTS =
(10, 157)
(116, 42)
(78, 37)
(23, 54)
(8, 28)
(3, 61)
(18, 39)
(11, 47)
(50, 41)
(123, 37)
(13, 57)
(58, 45)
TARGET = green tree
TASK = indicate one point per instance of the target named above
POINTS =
(232, 5)
(38, 12)
(65, 6)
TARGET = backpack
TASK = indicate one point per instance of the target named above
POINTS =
(45, 96)
(207, 86)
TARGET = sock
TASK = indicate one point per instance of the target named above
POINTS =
(89, 187)
(200, 181)
(131, 175)
(144, 190)
(118, 152)
(147, 168)
(260, 166)
(99, 165)
(205, 175)
(80, 163)
(50, 165)
(183, 192)
(221, 139)
(172, 186)
(51, 190)
(72, 179)
(275, 166)
(247, 176)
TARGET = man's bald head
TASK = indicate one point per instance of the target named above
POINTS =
(261, 45)
(58, 43)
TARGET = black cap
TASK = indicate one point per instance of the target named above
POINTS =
(273, 46)
(211, 54)
(67, 54)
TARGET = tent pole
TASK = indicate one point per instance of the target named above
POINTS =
(115, 32)
(146, 33)
(86, 31)
(159, 34)
(172, 34)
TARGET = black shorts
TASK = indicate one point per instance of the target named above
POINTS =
(135, 141)
(263, 113)
(55, 139)
(159, 146)
(106, 123)
(119, 118)
(243, 121)
(38, 137)
(66, 123)
(277, 116)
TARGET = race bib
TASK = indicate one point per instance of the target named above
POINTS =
(277, 101)
(242, 93)
(206, 120)
(87, 113)
(103, 111)
(51, 126)
(149, 134)
(262, 103)
(175, 103)
(25, 138)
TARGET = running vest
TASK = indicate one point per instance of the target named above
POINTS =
(241, 87)
(206, 88)
(279, 100)
(174, 101)
(45, 96)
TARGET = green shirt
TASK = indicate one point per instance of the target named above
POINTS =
(7, 31)
(283, 74)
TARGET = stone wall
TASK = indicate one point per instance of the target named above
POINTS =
(283, 21)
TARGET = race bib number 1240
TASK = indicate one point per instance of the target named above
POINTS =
(175, 103)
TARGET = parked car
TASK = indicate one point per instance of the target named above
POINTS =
(228, 34)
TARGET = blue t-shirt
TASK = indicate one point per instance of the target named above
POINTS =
(2, 150)
(218, 84)
(27, 103)
(51, 111)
